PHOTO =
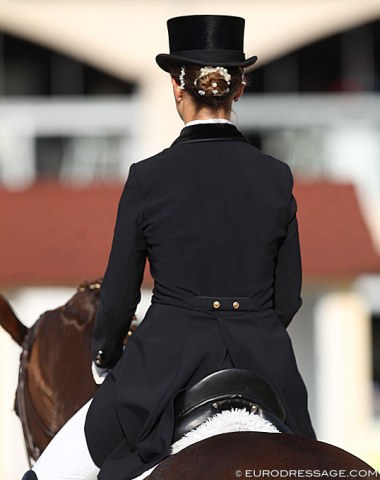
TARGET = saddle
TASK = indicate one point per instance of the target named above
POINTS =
(224, 390)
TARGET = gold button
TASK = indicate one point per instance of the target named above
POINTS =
(236, 305)
(216, 304)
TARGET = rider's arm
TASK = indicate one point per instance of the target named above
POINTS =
(288, 272)
(120, 291)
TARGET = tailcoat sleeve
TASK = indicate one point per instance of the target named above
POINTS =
(288, 270)
(120, 290)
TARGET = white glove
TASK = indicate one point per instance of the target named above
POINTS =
(98, 373)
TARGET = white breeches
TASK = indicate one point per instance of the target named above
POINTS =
(67, 456)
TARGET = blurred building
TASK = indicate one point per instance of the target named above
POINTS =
(81, 99)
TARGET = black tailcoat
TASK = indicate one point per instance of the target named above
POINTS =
(217, 220)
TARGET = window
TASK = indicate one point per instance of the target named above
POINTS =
(347, 62)
(32, 70)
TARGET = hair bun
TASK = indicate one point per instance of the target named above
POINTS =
(213, 81)
(211, 87)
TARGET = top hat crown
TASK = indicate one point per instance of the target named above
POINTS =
(212, 40)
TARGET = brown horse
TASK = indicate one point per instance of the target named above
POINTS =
(260, 455)
(55, 377)
(55, 365)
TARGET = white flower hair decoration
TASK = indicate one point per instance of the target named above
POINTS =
(206, 71)
(182, 78)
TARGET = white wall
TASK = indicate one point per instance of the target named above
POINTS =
(343, 373)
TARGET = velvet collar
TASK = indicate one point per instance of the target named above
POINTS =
(209, 132)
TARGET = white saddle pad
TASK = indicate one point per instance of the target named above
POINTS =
(235, 420)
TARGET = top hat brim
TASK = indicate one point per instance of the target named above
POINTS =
(167, 61)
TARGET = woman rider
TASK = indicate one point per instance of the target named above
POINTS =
(217, 220)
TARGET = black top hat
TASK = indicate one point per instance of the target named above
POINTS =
(208, 40)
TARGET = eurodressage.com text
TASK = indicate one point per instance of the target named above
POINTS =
(306, 474)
